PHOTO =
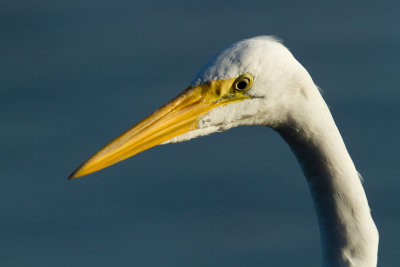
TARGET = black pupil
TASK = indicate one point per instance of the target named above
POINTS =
(241, 85)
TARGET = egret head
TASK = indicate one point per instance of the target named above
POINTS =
(273, 82)
(254, 81)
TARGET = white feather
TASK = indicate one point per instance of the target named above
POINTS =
(286, 99)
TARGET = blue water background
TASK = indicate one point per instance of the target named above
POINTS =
(76, 74)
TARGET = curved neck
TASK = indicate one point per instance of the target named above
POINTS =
(348, 233)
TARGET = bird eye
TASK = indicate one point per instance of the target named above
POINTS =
(243, 83)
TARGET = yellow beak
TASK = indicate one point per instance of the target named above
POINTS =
(175, 118)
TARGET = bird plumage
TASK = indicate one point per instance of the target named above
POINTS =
(280, 94)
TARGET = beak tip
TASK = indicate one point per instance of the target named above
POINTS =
(74, 175)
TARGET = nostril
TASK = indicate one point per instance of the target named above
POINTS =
(218, 91)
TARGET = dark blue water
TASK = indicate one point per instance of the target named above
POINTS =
(75, 74)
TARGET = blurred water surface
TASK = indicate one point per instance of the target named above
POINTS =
(75, 74)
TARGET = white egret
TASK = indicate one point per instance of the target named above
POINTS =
(258, 81)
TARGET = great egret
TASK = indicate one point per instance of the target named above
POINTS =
(258, 81)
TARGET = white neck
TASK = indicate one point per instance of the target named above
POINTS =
(348, 234)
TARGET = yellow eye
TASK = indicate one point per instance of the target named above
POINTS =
(243, 83)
